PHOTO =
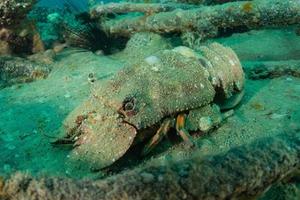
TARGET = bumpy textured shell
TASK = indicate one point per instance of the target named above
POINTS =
(159, 86)
(163, 84)
(103, 138)
(226, 72)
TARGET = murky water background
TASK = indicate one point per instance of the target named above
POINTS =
(33, 108)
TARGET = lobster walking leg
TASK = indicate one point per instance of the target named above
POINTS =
(161, 132)
(182, 132)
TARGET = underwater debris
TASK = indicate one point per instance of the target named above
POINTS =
(272, 69)
(187, 2)
(208, 20)
(20, 70)
(105, 126)
(243, 172)
(147, 8)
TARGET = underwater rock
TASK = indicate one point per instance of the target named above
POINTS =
(243, 172)
(208, 21)
(19, 70)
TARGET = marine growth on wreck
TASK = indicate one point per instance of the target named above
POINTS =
(176, 99)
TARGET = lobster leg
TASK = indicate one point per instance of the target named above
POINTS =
(180, 128)
(161, 132)
(65, 140)
(69, 139)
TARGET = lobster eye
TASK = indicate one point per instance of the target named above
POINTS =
(129, 104)
(129, 107)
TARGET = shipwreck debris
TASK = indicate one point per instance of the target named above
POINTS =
(244, 171)
(272, 69)
(208, 21)
(15, 70)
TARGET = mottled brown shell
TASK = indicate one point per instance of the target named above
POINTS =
(225, 69)
(163, 84)
(144, 93)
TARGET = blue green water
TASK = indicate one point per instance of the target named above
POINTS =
(32, 111)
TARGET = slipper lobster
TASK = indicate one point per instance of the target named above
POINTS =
(178, 88)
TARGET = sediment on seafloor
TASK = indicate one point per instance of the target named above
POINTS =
(244, 171)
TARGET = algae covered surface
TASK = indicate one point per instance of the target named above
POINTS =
(32, 113)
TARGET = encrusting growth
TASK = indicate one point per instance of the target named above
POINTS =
(147, 8)
(243, 172)
(207, 21)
